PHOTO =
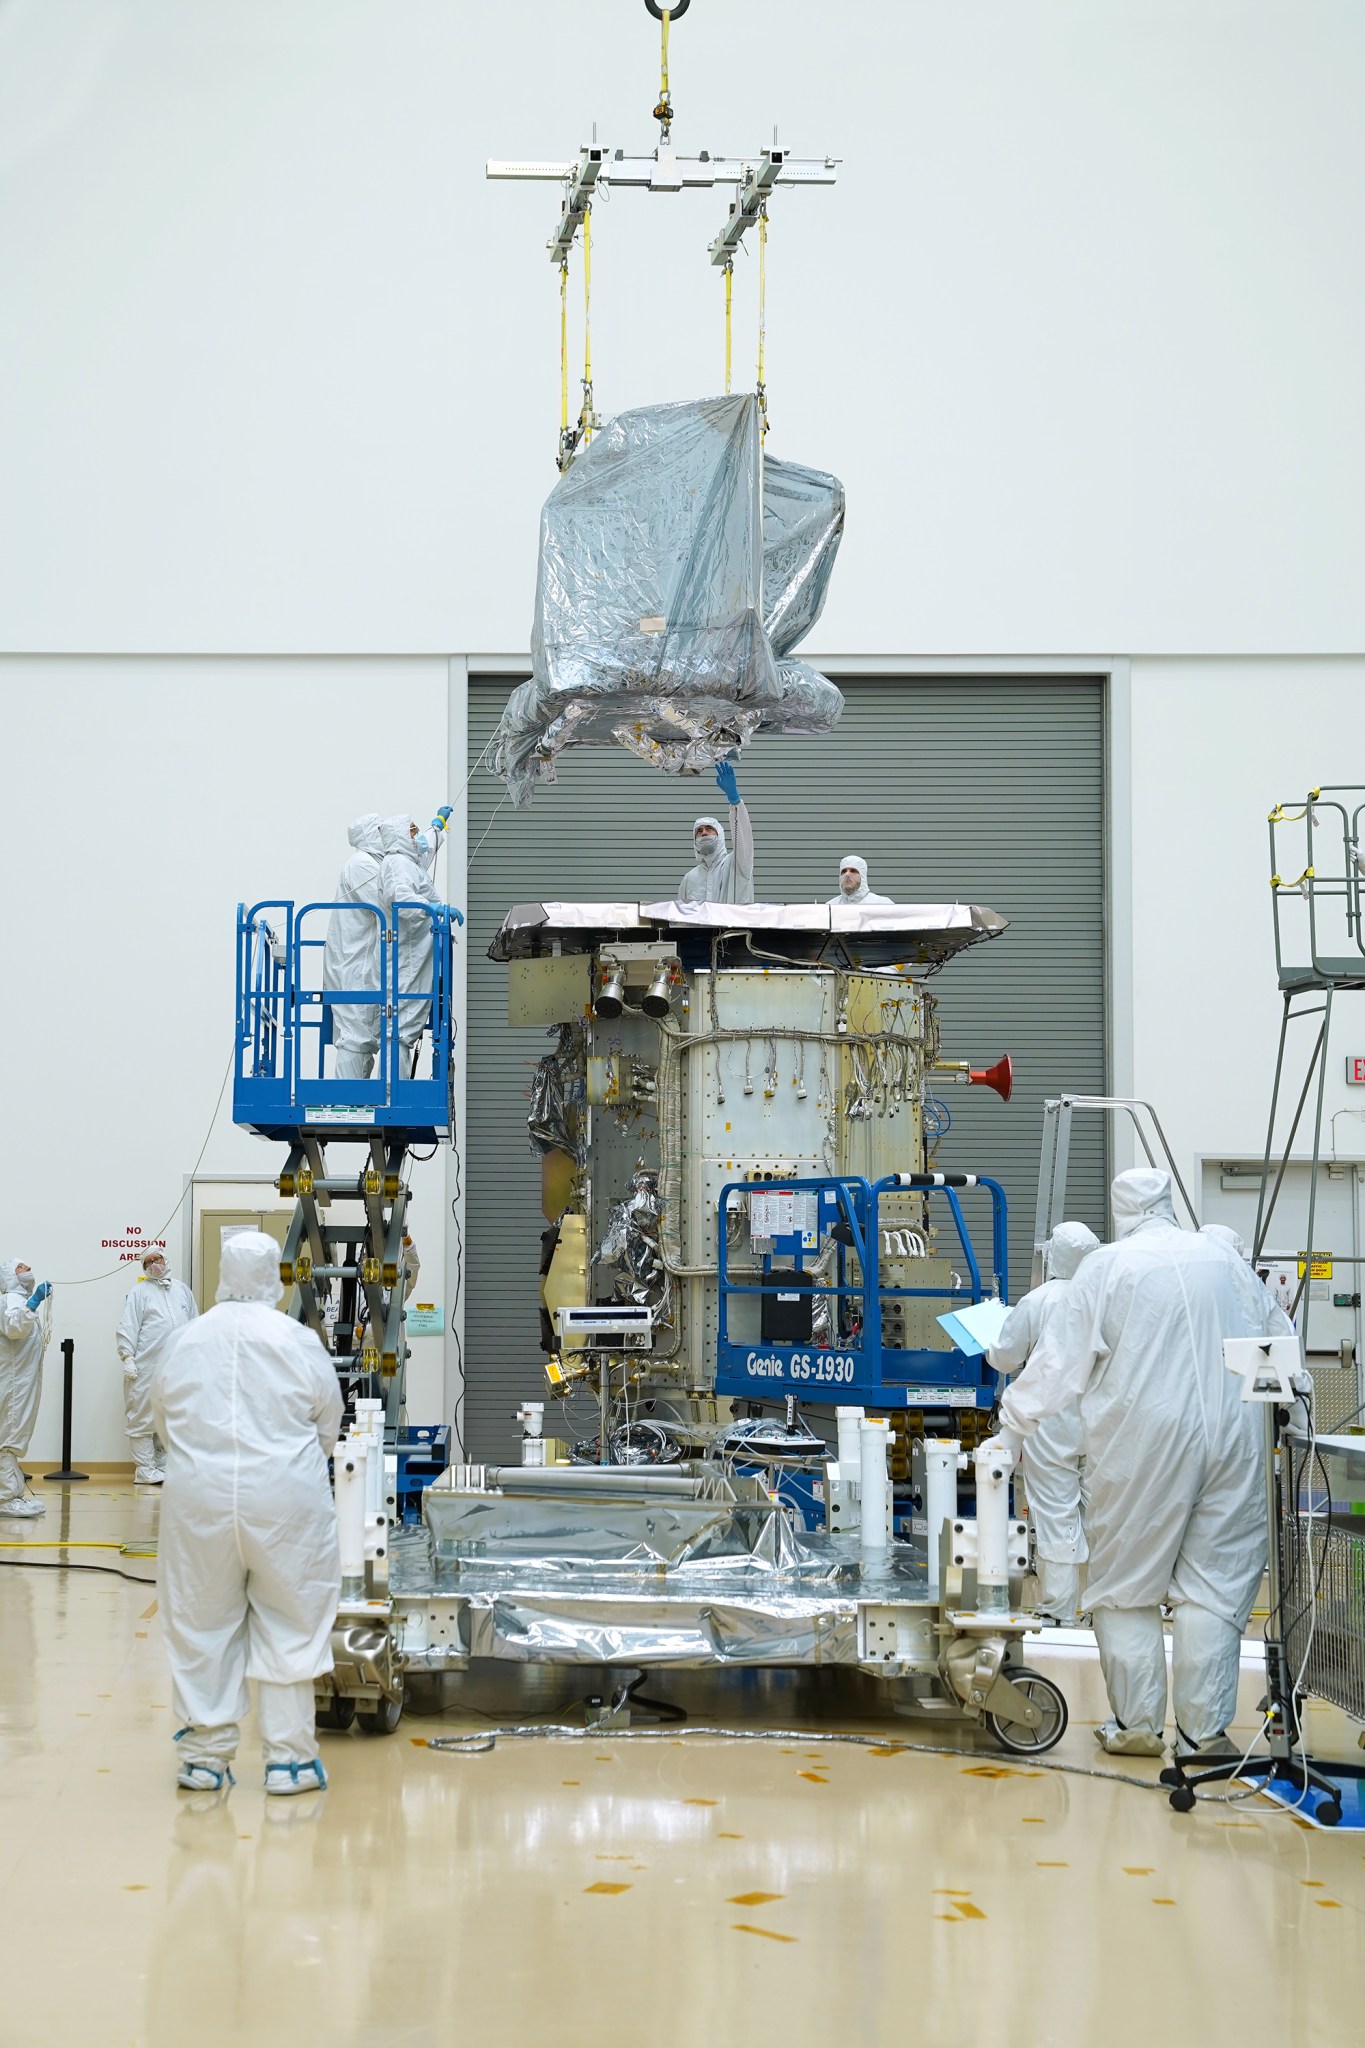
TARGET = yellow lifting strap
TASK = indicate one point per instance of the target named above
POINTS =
(762, 317)
(564, 346)
(729, 300)
(663, 112)
(587, 324)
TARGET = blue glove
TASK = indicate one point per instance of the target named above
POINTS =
(442, 818)
(725, 776)
(40, 1294)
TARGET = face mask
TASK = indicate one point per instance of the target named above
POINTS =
(706, 850)
(422, 843)
(156, 1272)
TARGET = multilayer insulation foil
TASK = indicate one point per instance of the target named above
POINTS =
(679, 568)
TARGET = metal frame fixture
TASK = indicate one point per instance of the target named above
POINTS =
(1308, 1546)
(1056, 1152)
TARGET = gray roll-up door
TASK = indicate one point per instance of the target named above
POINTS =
(990, 791)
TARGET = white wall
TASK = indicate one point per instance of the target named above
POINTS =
(1214, 746)
(149, 798)
(1081, 325)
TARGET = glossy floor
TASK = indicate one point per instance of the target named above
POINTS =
(686, 1891)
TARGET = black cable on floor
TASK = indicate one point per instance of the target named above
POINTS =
(39, 1564)
(482, 1740)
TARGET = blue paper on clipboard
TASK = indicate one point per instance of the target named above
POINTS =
(975, 1329)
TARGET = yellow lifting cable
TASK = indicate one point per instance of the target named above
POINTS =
(762, 317)
(578, 435)
(563, 349)
(586, 420)
(663, 113)
(729, 298)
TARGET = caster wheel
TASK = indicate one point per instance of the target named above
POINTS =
(1182, 1799)
(1329, 1813)
(338, 1714)
(383, 1718)
(1041, 1693)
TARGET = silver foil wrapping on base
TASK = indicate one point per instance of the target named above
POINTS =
(722, 1599)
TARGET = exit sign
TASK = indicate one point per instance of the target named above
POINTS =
(1355, 1068)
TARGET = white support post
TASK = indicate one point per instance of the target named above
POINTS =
(993, 1532)
(943, 1460)
(875, 1483)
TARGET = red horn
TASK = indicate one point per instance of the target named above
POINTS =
(1000, 1077)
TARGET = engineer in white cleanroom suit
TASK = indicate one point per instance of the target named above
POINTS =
(351, 958)
(853, 883)
(1225, 1234)
(249, 1575)
(1175, 1490)
(404, 877)
(153, 1311)
(23, 1340)
(1052, 1455)
(721, 876)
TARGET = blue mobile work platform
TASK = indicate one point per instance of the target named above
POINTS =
(854, 1366)
(285, 1017)
(346, 1253)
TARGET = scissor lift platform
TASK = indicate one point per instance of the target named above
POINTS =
(281, 1087)
(343, 1257)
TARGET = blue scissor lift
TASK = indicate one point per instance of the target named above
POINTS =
(855, 1367)
(349, 1141)
(852, 1366)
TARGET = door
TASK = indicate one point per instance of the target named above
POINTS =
(216, 1226)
